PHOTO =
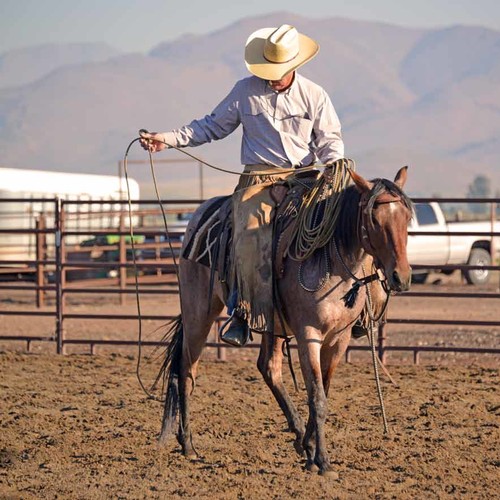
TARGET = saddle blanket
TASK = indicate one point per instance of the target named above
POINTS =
(212, 231)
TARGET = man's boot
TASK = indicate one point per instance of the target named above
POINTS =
(359, 330)
(238, 332)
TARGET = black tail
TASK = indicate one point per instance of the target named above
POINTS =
(170, 372)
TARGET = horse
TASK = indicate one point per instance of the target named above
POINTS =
(371, 230)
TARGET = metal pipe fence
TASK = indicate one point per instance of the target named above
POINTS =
(55, 261)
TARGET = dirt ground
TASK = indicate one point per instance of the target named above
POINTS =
(79, 426)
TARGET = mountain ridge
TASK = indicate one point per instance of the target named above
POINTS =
(404, 96)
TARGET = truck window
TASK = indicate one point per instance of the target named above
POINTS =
(425, 214)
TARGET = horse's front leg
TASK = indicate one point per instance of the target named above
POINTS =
(331, 355)
(270, 364)
(314, 438)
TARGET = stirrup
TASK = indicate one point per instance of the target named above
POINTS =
(236, 335)
(358, 330)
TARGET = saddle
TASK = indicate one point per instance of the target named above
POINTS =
(209, 243)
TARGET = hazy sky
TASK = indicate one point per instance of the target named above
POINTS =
(138, 25)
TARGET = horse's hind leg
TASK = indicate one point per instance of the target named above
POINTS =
(198, 317)
(194, 341)
(270, 366)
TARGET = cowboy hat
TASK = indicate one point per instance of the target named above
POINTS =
(272, 53)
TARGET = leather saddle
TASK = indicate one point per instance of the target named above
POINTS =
(208, 240)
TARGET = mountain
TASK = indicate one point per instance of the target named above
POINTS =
(22, 66)
(424, 98)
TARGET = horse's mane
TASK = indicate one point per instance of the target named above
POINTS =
(346, 231)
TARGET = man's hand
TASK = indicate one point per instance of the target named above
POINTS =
(152, 141)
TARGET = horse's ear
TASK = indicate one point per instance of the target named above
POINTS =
(361, 183)
(401, 176)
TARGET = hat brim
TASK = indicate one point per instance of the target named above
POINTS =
(258, 65)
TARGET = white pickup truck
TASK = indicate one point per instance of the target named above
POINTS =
(450, 249)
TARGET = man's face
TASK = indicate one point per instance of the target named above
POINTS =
(283, 84)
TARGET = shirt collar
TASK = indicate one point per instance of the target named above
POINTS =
(283, 92)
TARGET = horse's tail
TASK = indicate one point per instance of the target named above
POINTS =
(170, 372)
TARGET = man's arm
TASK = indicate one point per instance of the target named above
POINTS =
(327, 132)
(223, 120)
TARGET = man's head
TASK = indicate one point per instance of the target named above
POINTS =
(273, 53)
(282, 84)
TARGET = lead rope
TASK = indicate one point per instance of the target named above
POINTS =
(371, 338)
(375, 358)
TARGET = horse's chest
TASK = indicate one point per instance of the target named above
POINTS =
(333, 311)
(324, 309)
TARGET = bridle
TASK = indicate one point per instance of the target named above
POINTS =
(365, 219)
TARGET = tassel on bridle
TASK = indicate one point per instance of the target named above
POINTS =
(351, 296)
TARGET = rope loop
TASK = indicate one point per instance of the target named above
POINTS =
(320, 209)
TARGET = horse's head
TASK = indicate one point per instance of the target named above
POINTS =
(384, 213)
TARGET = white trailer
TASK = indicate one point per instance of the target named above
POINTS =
(42, 187)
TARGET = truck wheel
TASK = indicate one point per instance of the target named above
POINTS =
(478, 257)
(419, 278)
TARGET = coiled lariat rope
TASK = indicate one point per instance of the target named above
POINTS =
(315, 230)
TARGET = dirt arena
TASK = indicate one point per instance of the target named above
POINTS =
(79, 426)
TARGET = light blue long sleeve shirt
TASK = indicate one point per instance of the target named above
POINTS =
(293, 128)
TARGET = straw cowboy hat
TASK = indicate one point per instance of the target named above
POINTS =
(272, 53)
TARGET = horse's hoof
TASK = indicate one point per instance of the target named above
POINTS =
(189, 453)
(297, 444)
(330, 474)
(311, 467)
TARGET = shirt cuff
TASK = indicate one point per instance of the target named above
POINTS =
(169, 138)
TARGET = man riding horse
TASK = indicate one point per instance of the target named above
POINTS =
(289, 123)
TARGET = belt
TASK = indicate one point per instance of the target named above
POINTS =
(265, 169)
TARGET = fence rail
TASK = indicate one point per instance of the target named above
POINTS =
(55, 261)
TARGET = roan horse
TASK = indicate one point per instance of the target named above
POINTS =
(371, 229)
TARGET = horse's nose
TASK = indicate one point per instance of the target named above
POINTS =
(399, 284)
(396, 280)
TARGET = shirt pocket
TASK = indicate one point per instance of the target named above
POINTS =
(256, 118)
(299, 125)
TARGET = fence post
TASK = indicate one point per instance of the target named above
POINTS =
(63, 259)
(122, 258)
(41, 254)
(58, 276)
(493, 217)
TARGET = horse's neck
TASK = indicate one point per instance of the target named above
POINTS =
(349, 248)
(352, 260)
